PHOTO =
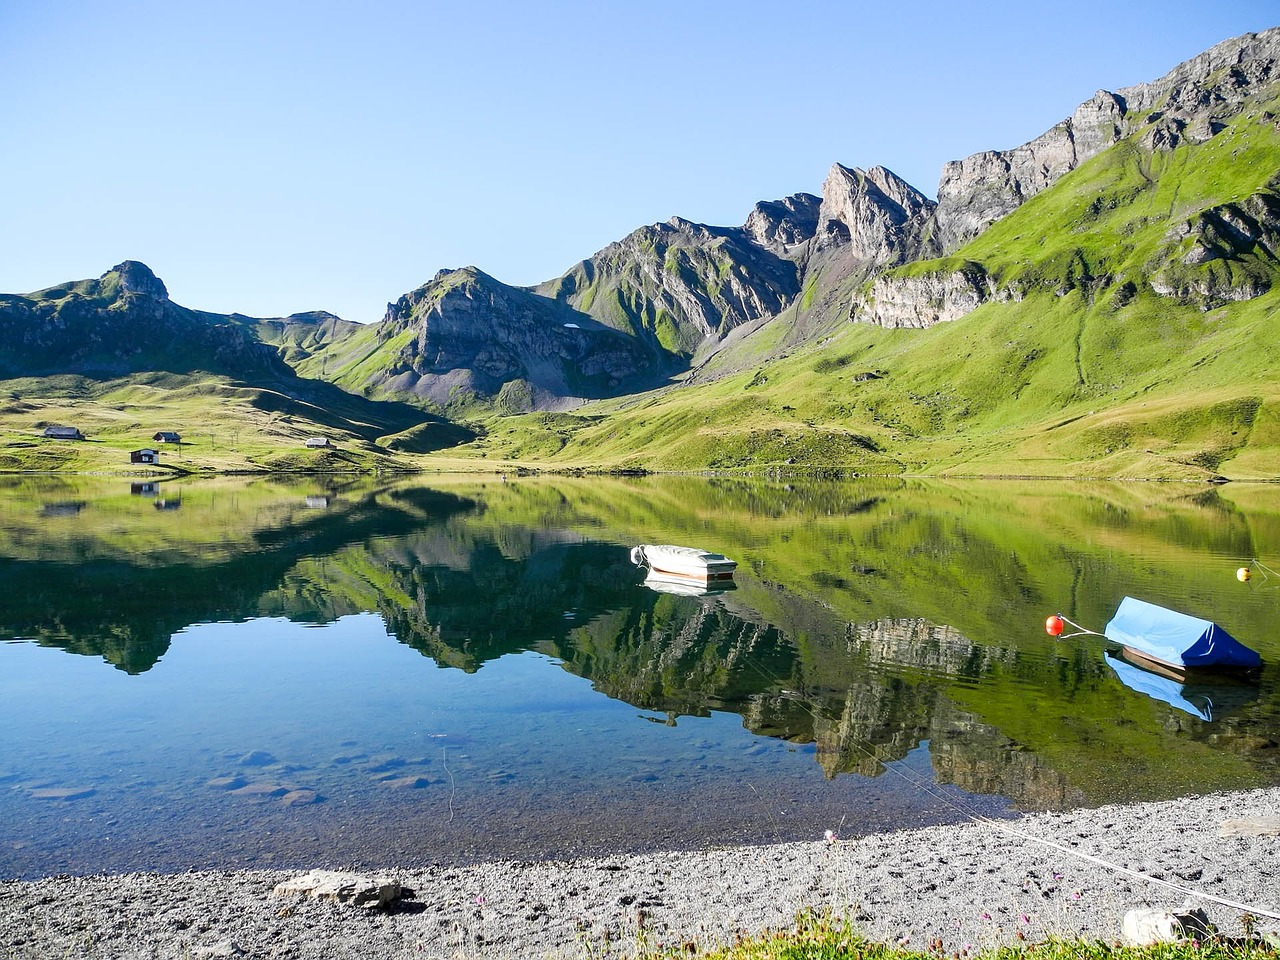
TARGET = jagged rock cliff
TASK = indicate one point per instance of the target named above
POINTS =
(1190, 101)
(1222, 253)
(1227, 252)
(929, 298)
(781, 224)
(875, 215)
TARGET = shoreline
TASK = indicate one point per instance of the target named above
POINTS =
(971, 886)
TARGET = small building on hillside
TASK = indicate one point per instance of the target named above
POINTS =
(315, 442)
(166, 436)
(55, 432)
(144, 456)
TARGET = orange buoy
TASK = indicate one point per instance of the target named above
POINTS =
(1244, 574)
(1053, 626)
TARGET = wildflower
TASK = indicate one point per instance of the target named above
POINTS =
(830, 836)
(480, 900)
(1025, 918)
(985, 915)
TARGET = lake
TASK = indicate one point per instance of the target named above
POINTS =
(234, 673)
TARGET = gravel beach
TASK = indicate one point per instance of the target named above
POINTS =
(969, 886)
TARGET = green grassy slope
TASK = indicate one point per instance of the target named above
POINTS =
(226, 425)
(1076, 367)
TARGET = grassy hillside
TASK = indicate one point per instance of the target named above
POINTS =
(1077, 366)
(225, 425)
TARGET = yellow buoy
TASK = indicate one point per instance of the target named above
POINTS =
(1243, 574)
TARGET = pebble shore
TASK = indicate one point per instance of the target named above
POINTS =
(970, 886)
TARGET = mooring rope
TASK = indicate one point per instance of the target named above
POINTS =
(931, 790)
(1107, 864)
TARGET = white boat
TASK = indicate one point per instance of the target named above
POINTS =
(683, 564)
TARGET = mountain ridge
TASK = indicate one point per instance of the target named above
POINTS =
(1128, 204)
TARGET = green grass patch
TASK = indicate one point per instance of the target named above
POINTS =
(823, 937)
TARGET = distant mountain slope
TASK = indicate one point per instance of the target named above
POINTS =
(465, 337)
(1121, 321)
(123, 322)
(1182, 202)
(119, 341)
(675, 285)
(717, 300)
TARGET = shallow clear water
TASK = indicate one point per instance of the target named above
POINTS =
(277, 676)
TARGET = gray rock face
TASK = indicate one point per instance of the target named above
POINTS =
(1225, 253)
(1188, 102)
(137, 278)
(784, 223)
(474, 334)
(975, 192)
(1222, 77)
(876, 214)
(924, 300)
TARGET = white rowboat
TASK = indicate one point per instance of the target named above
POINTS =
(683, 564)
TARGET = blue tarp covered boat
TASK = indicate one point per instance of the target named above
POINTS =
(1177, 640)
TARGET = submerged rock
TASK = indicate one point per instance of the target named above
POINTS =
(257, 758)
(300, 798)
(226, 783)
(407, 783)
(62, 793)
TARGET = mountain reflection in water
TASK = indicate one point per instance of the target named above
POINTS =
(872, 625)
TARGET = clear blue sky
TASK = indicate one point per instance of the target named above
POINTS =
(273, 157)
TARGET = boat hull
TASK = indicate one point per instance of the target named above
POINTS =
(684, 564)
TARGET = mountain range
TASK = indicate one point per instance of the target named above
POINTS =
(1098, 301)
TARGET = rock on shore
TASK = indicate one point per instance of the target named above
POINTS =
(976, 885)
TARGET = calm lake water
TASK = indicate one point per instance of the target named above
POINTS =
(229, 673)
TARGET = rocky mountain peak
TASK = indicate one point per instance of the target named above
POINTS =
(875, 213)
(784, 222)
(136, 278)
